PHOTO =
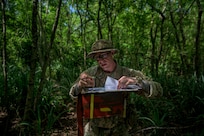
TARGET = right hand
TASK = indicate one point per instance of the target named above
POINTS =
(124, 81)
(86, 80)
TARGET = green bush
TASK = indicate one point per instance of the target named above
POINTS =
(179, 109)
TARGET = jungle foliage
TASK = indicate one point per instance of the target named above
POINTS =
(44, 46)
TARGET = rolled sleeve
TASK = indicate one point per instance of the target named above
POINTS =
(74, 92)
(155, 90)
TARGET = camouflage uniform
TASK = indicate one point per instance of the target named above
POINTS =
(114, 126)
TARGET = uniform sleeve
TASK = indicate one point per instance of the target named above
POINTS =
(75, 90)
(154, 88)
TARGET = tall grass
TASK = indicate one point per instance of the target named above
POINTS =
(179, 110)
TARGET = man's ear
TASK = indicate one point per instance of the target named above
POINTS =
(112, 52)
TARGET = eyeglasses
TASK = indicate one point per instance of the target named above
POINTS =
(101, 56)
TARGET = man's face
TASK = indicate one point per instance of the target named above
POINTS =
(105, 61)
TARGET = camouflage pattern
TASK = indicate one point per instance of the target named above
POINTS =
(101, 46)
(120, 129)
(114, 125)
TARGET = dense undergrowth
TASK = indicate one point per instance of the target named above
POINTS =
(178, 112)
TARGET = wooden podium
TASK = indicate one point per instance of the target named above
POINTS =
(97, 104)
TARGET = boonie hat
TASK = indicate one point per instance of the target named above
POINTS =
(101, 46)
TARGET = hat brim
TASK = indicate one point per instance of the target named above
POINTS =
(91, 54)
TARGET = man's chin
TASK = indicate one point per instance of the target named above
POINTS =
(106, 70)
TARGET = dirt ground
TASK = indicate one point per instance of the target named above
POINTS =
(65, 126)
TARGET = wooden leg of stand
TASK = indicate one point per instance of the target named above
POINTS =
(80, 116)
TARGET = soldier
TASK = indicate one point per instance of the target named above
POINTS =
(103, 52)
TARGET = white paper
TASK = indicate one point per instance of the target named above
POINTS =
(111, 83)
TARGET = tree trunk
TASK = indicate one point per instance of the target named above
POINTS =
(156, 56)
(198, 62)
(82, 27)
(153, 50)
(110, 17)
(179, 48)
(32, 65)
(4, 52)
(84, 35)
(100, 36)
(4, 67)
(160, 45)
(47, 55)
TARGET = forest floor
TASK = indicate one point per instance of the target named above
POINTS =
(66, 125)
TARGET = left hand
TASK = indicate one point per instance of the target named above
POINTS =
(124, 81)
(86, 81)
